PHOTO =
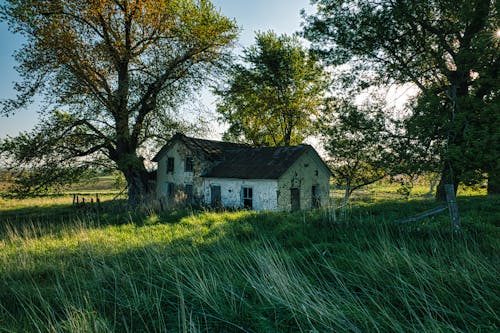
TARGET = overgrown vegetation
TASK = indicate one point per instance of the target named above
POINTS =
(248, 272)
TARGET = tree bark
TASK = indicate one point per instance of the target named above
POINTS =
(447, 177)
(137, 177)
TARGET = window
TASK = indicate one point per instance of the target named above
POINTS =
(315, 197)
(170, 190)
(215, 196)
(188, 190)
(170, 165)
(247, 197)
(188, 166)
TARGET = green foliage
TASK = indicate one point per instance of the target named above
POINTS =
(250, 272)
(274, 96)
(448, 49)
(354, 138)
(108, 70)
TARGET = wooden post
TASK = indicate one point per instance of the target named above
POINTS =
(74, 199)
(452, 207)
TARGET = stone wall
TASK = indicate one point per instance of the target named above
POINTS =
(180, 177)
(306, 172)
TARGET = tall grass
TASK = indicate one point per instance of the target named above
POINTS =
(251, 272)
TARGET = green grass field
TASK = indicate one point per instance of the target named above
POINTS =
(352, 270)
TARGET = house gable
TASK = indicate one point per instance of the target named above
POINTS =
(185, 176)
(308, 179)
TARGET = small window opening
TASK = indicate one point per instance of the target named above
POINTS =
(170, 190)
(170, 165)
(247, 197)
(189, 164)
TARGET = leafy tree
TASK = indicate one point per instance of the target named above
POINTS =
(446, 48)
(110, 71)
(273, 97)
(353, 138)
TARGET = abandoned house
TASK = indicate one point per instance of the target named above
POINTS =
(240, 176)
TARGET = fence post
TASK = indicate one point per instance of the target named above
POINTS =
(452, 207)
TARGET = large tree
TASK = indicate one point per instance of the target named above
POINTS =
(110, 72)
(354, 138)
(274, 95)
(446, 48)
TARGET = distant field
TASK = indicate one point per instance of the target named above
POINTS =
(101, 184)
(69, 269)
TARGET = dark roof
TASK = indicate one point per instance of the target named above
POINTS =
(234, 160)
(258, 163)
(213, 150)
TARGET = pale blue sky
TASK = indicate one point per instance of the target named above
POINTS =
(282, 16)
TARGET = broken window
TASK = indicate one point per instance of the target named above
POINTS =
(170, 165)
(188, 166)
(188, 190)
(315, 197)
(216, 198)
(247, 197)
(170, 190)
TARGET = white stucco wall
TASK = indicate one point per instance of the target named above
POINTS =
(265, 195)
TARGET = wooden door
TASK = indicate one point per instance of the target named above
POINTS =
(215, 200)
(295, 198)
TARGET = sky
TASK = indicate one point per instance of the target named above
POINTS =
(282, 16)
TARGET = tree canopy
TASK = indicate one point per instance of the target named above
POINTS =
(273, 97)
(448, 49)
(110, 72)
(354, 138)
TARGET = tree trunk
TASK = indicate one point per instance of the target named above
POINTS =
(348, 191)
(447, 177)
(137, 177)
(450, 174)
(138, 187)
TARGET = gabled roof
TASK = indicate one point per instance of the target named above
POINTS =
(256, 163)
(259, 163)
(213, 150)
(234, 160)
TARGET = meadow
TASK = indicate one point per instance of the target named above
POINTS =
(351, 269)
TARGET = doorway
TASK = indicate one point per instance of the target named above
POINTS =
(215, 196)
(295, 199)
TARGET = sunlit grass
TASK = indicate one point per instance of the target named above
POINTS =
(201, 271)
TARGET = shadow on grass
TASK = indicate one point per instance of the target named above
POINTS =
(162, 260)
(58, 217)
(200, 258)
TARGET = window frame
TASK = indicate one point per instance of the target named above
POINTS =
(170, 165)
(315, 196)
(247, 197)
(190, 164)
(170, 190)
(189, 194)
